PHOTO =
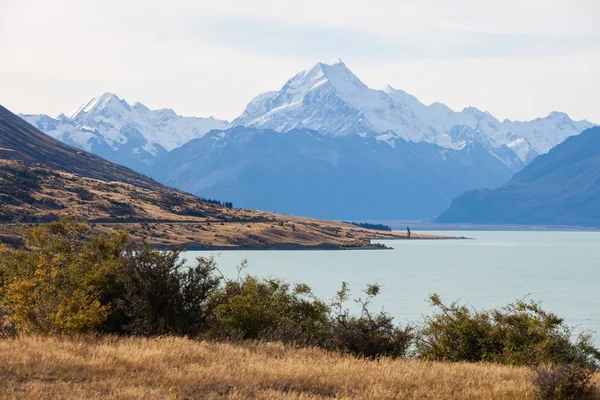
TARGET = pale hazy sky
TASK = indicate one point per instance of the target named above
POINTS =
(518, 59)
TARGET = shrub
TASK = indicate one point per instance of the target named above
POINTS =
(518, 334)
(7, 325)
(163, 295)
(62, 283)
(268, 309)
(563, 382)
(67, 281)
(368, 335)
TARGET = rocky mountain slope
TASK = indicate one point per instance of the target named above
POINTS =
(302, 172)
(561, 187)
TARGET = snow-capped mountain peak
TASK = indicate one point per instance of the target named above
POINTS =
(327, 98)
(332, 61)
(560, 117)
(139, 106)
(133, 133)
(95, 103)
(336, 74)
(330, 99)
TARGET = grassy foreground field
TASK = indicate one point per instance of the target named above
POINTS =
(134, 368)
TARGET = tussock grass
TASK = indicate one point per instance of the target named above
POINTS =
(135, 368)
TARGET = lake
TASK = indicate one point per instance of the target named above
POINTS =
(559, 269)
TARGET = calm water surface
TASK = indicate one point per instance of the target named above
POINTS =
(560, 269)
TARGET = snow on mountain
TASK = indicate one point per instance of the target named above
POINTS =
(532, 138)
(107, 123)
(330, 99)
(327, 98)
(113, 117)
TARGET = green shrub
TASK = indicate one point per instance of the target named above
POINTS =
(563, 382)
(368, 335)
(268, 309)
(163, 295)
(271, 310)
(518, 334)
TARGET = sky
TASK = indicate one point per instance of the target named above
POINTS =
(517, 59)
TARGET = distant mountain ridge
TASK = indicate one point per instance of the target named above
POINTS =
(561, 187)
(130, 135)
(330, 99)
(303, 172)
(327, 98)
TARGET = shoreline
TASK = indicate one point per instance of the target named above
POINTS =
(301, 247)
(275, 247)
(424, 225)
(286, 235)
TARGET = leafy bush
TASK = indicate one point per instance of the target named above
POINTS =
(68, 282)
(518, 334)
(62, 283)
(163, 295)
(268, 309)
(563, 382)
(368, 335)
(271, 310)
(7, 325)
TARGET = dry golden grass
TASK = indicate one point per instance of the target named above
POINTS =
(133, 368)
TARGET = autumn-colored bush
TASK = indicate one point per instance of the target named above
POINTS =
(60, 283)
(68, 281)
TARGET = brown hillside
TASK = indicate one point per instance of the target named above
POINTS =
(26, 143)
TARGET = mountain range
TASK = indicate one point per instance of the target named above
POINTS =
(330, 99)
(561, 187)
(131, 135)
(375, 153)
(42, 179)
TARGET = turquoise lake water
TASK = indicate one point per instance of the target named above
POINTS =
(559, 269)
